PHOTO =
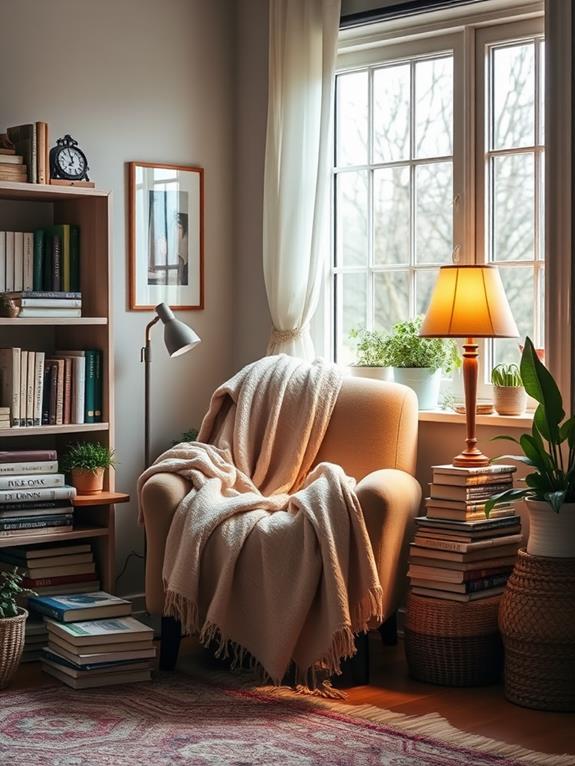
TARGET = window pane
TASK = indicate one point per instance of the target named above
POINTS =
(352, 218)
(390, 298)
(391, 97)
(434, 107)
(424, 284)
(352, 96)
(513, 207)
(541, 138)
(518, 284)
(353, 298)
(513, 96)
(433, 213)
(391, 215)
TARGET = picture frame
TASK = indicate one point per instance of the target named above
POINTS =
(166, 236)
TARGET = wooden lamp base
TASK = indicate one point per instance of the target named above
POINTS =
(471, 457)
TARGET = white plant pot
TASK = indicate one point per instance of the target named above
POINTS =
(424, 381)
(509, 400)
(378, 373)
(551, 534)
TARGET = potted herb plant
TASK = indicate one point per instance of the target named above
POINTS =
(509, 397)
(550, 452)
(86, 463)
(369, 354)
(12, 624)
(418, 362)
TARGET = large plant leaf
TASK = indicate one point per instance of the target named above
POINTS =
(536, 452)
(567, 431)
(505, 437)
(517, 458)
(539, 384)
(556, 499)
(505, 497)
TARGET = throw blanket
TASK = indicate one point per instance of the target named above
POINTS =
(264, 556)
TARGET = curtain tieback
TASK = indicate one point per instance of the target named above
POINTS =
(283, 336)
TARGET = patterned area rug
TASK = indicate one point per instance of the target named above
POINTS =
(181, 721)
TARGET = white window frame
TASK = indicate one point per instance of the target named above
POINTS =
(465, 35)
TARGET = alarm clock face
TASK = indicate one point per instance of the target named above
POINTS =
(71, 162)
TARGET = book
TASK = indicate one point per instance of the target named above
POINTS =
(21, 456)
(61, 581)
(56, 657)
(449, 534)
(53, 388)
(10, 159)
(38, 386)
(440, 574)
(468, 494)
(463, 566)
(455, 546)
(49, 530)
(98, 659)
(49, 303)
(32, 509)
(471, 481)
(74, 257)
(28, 275)
(30, 388)
(61, 558)
(43, 493)
(57, 590)
(28, 313)
(42, 167)
(78, 607)
(113, 631)
(432, 593)
(58, 570)
(12, 527)
(23, 387)
(484, 470)
(2, 261)
(468, 586)
(38, 266)
(483, 554)
(47, 295)
(23, 138)
(9, 260)
(88, 649)
(18, 260)
(467, 526)
(104, 679)
(56, 261)
(10, 383)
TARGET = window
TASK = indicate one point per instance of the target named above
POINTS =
(438, 157)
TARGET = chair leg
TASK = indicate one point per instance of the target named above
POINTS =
(170, 642)
(388, 630)
(355, 670)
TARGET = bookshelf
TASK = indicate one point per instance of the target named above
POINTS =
(27, 207)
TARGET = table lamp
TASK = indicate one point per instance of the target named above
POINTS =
(469, 302)
(178, 338)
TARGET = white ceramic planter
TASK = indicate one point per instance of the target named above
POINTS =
(509, 400)
(424, 381)
(378, 373)
(551, 534)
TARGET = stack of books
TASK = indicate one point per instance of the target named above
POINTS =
(12, 167)
(51, 389)
(93, 641)
(5, 417)
(54, 570)
(31, 142)
(35, 639)
(458, 553)
(32, 304)
(33, 495)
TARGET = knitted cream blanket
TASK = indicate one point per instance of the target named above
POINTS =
(264, 556)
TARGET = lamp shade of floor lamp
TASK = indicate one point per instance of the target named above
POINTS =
(469, 302)
(178, 338)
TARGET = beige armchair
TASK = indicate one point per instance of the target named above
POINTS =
(373, 435)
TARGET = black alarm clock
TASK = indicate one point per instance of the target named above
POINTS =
(67, 161)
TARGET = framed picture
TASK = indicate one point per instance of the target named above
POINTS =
(166, 236)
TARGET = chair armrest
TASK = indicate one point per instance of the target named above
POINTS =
(161, 495)
(390, 500)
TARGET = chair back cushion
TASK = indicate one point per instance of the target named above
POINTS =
(373, 426)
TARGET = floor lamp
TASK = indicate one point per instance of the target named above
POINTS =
(469, 302)
(178, 338)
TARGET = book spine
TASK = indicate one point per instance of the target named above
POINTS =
(49, 295)
(66, 257)
(16, 456)
(74, 257)
(30, 388)
(47, 259)
(98, 390)
(28, 280)
(56, 262)
(2, 261)
(38, 387)
(23, 385)
(474, 586)
(9, 260)
(31, 495)
(46, 582)
(46, 395)
(38, 523)
(16, 374)
(67, 391)
(33, 467)
(79, 383)
(25, 506)
(53, 393)
(49, 611)
(32, 482)
(41, 142)
(90, 389)
(54, 303)
(60, 392)
(18, 260)
(479, 471)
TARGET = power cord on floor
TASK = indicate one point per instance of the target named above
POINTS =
(132, 554)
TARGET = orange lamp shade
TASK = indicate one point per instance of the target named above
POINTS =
(469, 302)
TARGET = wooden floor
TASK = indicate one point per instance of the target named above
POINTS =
(481, 711)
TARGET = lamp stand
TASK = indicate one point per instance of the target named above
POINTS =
(471, 455)
(146, 358)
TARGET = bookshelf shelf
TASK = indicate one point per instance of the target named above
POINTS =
(102, 498)
(54, 322)
(71, 428)
(54, 537)
(45, 192)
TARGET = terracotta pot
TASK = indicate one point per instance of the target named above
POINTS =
(509, 400)
(551, 534)
(379, 373)
(11, 645)
(88, 482)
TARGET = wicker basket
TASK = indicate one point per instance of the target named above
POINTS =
(537, 622)
(451, 643)
(11, 645)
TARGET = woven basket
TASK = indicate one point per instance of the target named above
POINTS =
(11, 645)
(537, 622)
(451, 643)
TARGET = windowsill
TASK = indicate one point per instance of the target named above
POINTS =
(500, 421)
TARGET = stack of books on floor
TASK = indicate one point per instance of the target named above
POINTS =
(458, 553)
(51, 389)
(34, 498)
(31, 143)
(93, 641)
(35, 639)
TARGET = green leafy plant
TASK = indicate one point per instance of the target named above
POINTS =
(368, 347)
(10, 589)
(89, 456)
(506, 376)
(404, 347)
(550, 447)
(188, 436)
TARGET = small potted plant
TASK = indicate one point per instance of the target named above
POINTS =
(509, 395)
(369, 354)
(86, 463)
(418, 362)
(12, 624)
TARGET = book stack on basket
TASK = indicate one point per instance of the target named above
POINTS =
(93, 641)
(458, 553)
(34, 498)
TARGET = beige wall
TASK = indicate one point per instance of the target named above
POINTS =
(139, 80)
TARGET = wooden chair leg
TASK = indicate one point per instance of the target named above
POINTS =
(170, 642)
(355, 670)
(388, 630)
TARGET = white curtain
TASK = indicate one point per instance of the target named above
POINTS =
(302, 52)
